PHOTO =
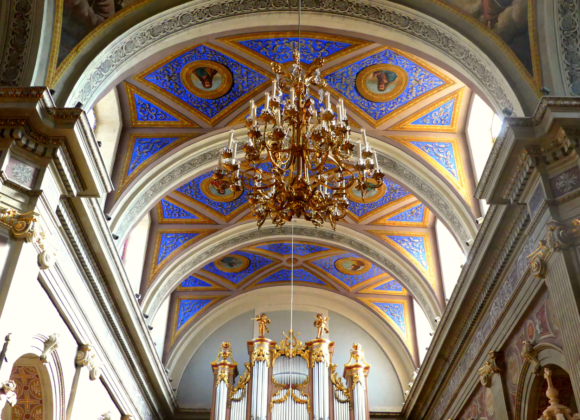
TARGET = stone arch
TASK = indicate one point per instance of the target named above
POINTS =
(108, 55)
(25, 353)
(530, 384)
(247, 234)
(202, 155)
(387, 339)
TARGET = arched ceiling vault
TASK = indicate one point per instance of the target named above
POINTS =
(200, 157)
(242, 236)
(310, 299)
(108, 56)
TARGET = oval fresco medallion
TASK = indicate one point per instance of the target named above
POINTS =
(513, 367)
(371, 195)
(352, 266)
(551, 314)
(232, 263)
(206, 79)
(381, 82)
(489, 408)
(212, 193)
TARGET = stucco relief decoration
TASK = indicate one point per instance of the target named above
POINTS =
(20, 172)
(558, 237)
(50, 346)
(531, 355)
(566, 182)
(8, 394)
(86, 357)
(17, 42)
(492, 365)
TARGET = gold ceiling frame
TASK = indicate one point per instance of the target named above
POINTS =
(156, 268)
(182, 120)
(174, 333)
(384, 220)
(406, 335)
(406, 124)
(374, 212)
(355, 43)
(124, 179)
(428, 272)
(460, 182)
(248, 279)
(202, 220)
(214, 286)
(254, 284)
(370, 290)
(447, 82)
(140, 77)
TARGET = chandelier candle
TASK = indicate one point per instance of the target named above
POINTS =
(299, 159)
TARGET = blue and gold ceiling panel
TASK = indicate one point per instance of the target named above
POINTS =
(278, 46)
(236, 267)
(442, 154)
(384, 82)
(414, 246)
(172, 211)
(375, 200)
(188, 309)
(287, 248)
(282, 277)
(206, 80)
(348, 269)
(440, 117)
(414, 214)
(198, 284)
(143, 150)
(170, 242)
(396, 312)
(389, 286)
(201, 192)
(146, 111)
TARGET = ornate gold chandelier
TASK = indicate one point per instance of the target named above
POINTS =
(299, 159)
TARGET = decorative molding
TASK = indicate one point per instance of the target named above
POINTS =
(208, 254)
(492, 366)
(569, 38)
(86, 357)
(50, 345)
(158, 188)
(406, 21)
(558, 237)
(17, 42)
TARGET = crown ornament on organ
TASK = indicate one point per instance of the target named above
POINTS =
(300, 161)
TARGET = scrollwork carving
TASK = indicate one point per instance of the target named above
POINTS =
(558, 237)
(492, 365)
(531, 355)
(50, 345)
(86, 357)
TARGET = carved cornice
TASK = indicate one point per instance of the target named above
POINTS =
(491, 367)
(509, 123)
(407, 21)
(559, 236)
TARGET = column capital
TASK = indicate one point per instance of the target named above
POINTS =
(559, 236)
(86, 357)
(492, 366)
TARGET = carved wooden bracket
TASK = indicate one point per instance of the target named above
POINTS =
(558, 237)
(492, 365)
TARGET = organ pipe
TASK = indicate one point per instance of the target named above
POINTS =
(290, 380)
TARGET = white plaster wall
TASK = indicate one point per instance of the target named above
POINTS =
(135, 250)
(423, 329)
(109, 124)
(159, 325)
(451, 257)
(92, 400)
(195, 389)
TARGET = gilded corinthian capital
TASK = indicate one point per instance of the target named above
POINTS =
(492, 365)
(558, 237)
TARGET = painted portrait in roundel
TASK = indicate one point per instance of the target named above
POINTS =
(232, 263)
(381, 82)
(352, 266)
(206, 79)
(370, 195)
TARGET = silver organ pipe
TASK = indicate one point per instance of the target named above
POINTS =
(290, 381)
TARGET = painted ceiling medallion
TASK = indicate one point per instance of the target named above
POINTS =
(236, 267)
(384, 82)
(208, 81)
(441, 116)
(352, 266)
(232, 263)
(278, 46)
(146, 111)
